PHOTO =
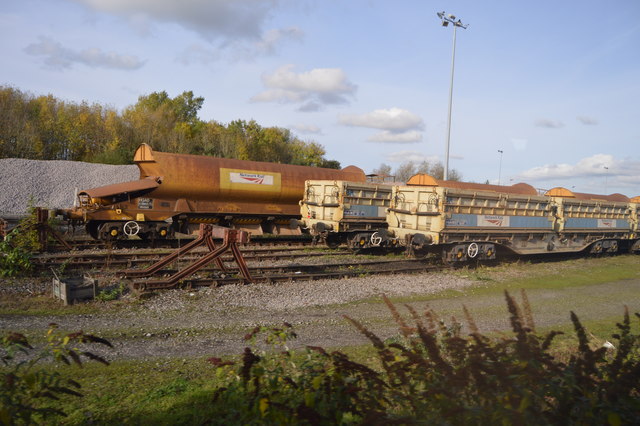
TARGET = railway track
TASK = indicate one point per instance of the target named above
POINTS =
(82, 243)
(309, 272)
(113, 263)
(118, 260)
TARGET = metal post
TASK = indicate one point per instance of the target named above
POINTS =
(446, 19)
(606, 175)
(500, 168)
(453, 62)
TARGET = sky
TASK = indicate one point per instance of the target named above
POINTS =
(554, 85)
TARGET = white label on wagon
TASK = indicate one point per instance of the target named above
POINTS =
(493, 220)
(606, 223)
(251, 178)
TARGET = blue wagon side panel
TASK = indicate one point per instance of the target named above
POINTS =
(497, 221)
(588, 223)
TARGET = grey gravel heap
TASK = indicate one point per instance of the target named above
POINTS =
(52, 184)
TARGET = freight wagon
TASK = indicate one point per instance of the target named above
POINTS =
(342, 212)
(177, 192)
(462, 221)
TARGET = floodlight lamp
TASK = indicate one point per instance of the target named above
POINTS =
(452, 17)
(445, 23)
(441, 15)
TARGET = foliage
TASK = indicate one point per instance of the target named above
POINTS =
(47, 128)
(14, 260)
(17, 247)
(434, 375)
(113, 293)
(409, 168)
(25, 387)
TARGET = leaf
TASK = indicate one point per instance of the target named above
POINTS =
(95, 358)
(264, 405)
(614, 419)
(96, 339)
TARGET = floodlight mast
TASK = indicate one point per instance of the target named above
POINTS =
(446, 20)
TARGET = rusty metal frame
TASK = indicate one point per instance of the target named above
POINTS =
(3, 228)
(44, 230)
(230, 237)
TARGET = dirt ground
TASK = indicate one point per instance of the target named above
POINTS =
(213, 321)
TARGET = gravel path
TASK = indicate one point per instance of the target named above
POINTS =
(212, 321)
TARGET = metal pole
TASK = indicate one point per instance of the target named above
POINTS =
(500, 168)
(446, 20)
(453, 61)
(606, 175)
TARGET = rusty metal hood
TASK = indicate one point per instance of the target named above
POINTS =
(120, 191)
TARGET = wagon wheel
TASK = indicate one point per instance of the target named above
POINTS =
(131, 228)
(333, 241)
(92, 228)
(472, 250)
(376, 239)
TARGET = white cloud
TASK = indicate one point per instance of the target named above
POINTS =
(549, 124)
(273, 38)
(229, 19)
(398, 125)
(306, 129)
(587, 121)
(237, 26)
(392, 119)
(590, 166)
(317, 87)
(410, 136)
(59, 57)
(415, 156)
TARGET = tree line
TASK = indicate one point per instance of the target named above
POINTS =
(47, 128)
(409, 168)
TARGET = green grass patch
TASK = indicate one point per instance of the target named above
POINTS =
(163, 391)
(45, 305)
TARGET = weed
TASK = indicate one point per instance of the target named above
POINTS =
(430, 373)
(111, 293)
(25, 387)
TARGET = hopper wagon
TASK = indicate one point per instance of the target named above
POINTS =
(177, 192)
(342, 212)
(463, 221)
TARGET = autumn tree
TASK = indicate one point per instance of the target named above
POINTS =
(436, 170)
(44, 127)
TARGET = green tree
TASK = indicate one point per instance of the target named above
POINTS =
(47, 128)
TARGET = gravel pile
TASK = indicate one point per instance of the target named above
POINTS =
(52, 184)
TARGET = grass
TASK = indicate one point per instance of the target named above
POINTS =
(44, 305)
(167, 391)
(178, 391)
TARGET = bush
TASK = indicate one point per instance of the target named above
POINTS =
(25, 387)
(432, 374)
(17, 247)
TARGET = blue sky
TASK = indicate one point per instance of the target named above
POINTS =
(554, 85)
